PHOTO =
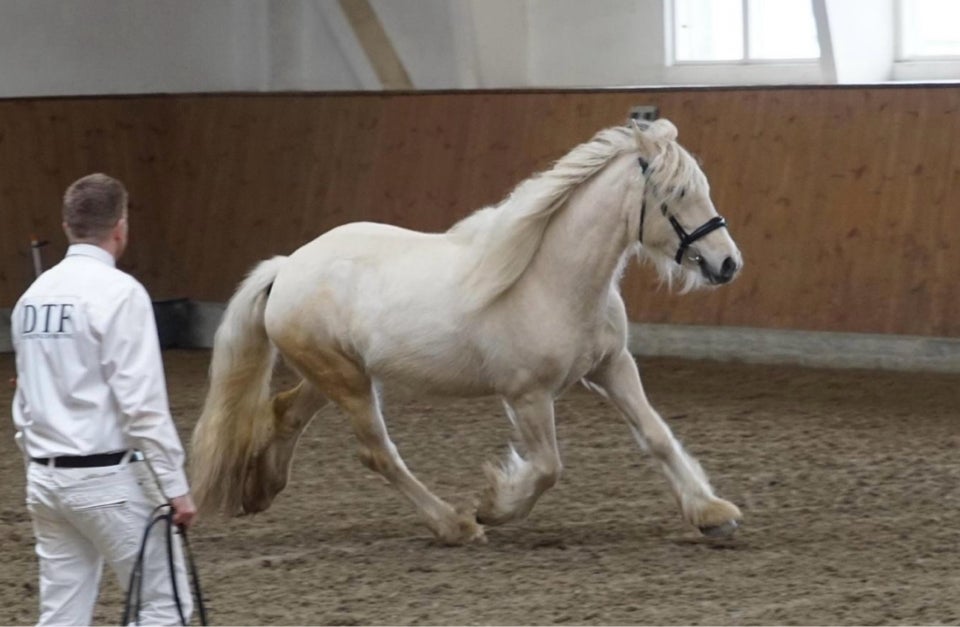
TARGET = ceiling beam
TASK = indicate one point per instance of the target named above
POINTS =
(828, 59)
(380, 51)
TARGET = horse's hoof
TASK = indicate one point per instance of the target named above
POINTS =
(465, 529)
(486, 520)
(475, 536)
(724, 530)
(486, 516)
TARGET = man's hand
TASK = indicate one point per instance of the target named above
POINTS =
(184, 511)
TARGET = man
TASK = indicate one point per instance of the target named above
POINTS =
(91, 403)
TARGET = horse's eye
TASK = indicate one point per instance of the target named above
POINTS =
(683, 192)
(663, 208)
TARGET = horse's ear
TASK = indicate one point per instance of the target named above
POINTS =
(647, 145)
(634, 125)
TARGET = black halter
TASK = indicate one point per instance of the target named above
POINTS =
(686, 239)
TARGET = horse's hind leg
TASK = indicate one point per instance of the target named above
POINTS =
(347, 385)
(620, 380)
(269, 470)
(514, 487)
(378, 453)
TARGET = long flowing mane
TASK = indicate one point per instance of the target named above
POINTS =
(506, 236)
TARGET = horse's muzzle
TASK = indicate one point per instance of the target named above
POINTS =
(728, 269)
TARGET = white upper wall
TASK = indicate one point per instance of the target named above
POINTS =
(310, 46)
(80, 47)
(862, 35)
(590, 44)
(53, 47)
(422, 34)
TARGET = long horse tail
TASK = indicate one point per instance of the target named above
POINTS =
(237, 417)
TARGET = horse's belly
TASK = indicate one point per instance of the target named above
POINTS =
(432, 384)
(452, 370)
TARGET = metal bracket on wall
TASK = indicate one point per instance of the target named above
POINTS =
(648, 113)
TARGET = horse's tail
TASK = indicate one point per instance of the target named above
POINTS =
(237, 416)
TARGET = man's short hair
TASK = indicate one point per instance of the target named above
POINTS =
(93, 205)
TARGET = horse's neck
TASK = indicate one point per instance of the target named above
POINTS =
(585, 242)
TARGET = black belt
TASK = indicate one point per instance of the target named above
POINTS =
(86, 461)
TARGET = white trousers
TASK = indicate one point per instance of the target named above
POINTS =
(83, 517)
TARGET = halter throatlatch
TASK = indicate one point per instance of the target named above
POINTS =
(711, 225)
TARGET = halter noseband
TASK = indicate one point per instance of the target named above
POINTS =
(686, 239)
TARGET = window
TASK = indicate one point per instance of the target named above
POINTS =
(744, 31)
(929, 29)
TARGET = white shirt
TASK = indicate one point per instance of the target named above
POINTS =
(89, 372)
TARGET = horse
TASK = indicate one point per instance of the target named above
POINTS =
(520, 300)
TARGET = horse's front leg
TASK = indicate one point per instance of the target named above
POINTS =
(620, 380)
(514, 486)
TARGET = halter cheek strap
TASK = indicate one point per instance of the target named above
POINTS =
(643, 205)
(643, 215)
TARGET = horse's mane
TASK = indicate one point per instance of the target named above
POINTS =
(507, 236)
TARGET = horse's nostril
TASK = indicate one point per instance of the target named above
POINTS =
(728, 268)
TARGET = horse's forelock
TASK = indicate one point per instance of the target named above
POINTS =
(673, 171)
(663, 129)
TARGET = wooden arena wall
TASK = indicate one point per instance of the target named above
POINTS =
(845, 201)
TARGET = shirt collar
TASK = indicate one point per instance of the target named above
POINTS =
(90, 250)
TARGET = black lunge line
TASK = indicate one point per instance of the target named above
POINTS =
(131, 605)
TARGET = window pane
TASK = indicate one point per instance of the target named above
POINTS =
(708, 30)
(931, 28)
(782, 29)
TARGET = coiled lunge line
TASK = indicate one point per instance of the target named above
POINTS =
(132, 603)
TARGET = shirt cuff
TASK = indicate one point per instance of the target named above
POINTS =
(173, 484)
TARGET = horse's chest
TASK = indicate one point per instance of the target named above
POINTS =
(566, 360)
(583, 364)
(596, 343)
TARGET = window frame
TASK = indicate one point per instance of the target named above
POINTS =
(900, 22)
(743, 71)
(925, 68)
(671, 53)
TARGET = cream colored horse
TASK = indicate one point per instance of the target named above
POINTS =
(520, 300)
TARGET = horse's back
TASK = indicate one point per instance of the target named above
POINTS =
(369, 287)
(364, 236)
